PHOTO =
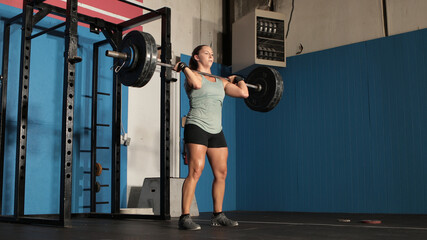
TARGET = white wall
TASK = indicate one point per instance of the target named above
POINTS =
(193, 23)
(406, 15)
(323, 24)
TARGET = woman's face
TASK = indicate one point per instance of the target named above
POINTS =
(205, 56)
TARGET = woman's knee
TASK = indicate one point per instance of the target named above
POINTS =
(195, 171)
(221, 174)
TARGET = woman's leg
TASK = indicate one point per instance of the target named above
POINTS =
(218, 161)
(196, 154)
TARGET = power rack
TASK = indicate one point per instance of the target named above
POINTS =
(113, 34)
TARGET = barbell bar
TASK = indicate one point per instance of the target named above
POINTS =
(137, 61)
(125, 57)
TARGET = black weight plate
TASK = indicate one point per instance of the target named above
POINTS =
(271, 92)
(151, 59)
(144, 59)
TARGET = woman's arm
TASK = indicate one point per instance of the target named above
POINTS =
(193, 80)
(233, 89)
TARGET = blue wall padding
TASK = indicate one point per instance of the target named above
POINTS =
(204, 186)
(45, 121)
(349, 134)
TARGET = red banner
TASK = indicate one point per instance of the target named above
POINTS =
(113, 11)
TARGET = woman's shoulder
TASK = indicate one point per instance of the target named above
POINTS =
(197, 74)
(224, 81)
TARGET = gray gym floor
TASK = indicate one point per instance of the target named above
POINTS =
(253, 225)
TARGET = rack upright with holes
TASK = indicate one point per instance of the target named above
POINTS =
(113, 33)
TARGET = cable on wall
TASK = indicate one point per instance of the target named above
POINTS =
(290, 17)
(385, 18)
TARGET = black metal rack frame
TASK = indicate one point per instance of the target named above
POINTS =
(113, 33)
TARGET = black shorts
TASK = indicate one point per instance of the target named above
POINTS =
(194, 134)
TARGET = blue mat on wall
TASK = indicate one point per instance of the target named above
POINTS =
(44, 120)
(349, 134)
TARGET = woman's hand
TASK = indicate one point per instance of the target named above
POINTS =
(179, 66)
(235, 79)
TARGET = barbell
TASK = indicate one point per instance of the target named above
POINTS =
(124, 56)
(137, 63)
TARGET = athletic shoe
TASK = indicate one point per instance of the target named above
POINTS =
(222, 220)
(186, 223)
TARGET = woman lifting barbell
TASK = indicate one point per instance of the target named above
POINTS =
(203, 133)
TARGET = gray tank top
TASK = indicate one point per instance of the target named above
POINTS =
(206, 105)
